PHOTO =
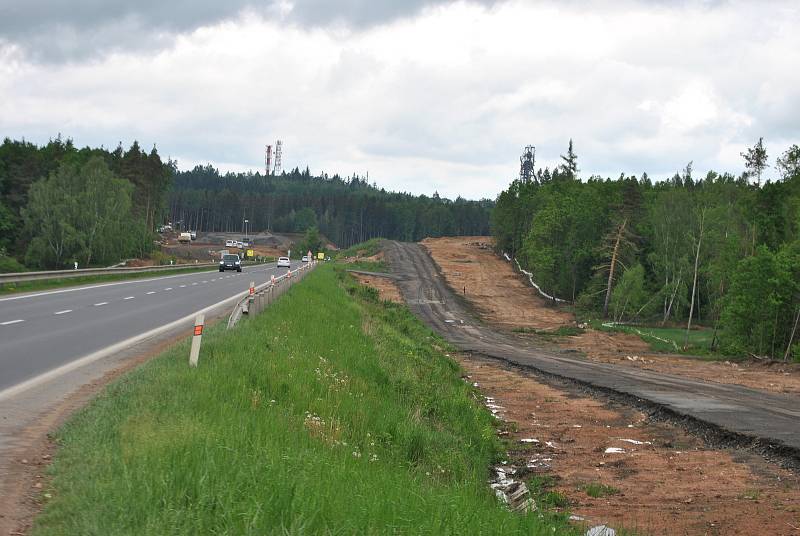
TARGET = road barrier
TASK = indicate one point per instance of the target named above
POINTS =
(82, 272)
(21, 277)
(264, 294)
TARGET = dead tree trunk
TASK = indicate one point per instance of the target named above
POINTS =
(614, 256)
(694, 283)
(791, 337)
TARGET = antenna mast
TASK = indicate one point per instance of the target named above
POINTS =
(278, 151)
(526, 163)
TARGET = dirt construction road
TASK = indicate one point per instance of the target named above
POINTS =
(769, 422)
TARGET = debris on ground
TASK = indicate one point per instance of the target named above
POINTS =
(601, 530)
(666, 482)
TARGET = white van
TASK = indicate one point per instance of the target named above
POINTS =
(230, 243)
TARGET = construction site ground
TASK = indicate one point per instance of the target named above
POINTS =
(656, 479)
(502, 298)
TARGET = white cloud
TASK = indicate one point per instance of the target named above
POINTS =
(443, 99)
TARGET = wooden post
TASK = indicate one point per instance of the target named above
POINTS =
(194, 353)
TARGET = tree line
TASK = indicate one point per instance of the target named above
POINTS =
(60, 204)
(718, 250)
(347, 210)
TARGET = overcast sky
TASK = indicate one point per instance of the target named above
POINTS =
(423, 95)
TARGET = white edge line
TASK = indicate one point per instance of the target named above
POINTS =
(75, 289)
(114, 348)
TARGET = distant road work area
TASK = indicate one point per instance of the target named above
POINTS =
(737, 413)
(43, 331)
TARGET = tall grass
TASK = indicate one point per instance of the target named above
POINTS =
(328, 413)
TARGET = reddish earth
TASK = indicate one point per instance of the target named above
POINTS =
(504, 299)
(386, 288)
(662, 481)
(669, 484)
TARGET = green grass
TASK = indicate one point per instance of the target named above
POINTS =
(47, 284)
(363, 249)
(597, 490)
(668, 340)
(367, 266)
(329, 413)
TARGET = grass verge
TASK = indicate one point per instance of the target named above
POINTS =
(668, 340)
(48, 284)
(362, 249)
(329, 413)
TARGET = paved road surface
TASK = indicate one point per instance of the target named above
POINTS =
(42, 331)
(753, 413)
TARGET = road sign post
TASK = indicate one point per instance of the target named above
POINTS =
(194, 353)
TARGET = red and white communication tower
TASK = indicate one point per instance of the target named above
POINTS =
(277, 169)
(267, 159)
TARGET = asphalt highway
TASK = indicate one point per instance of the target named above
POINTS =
(42, 331)
(773, 419)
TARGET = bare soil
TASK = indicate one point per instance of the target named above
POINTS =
(662, 481)
(386, 288)
(503, 298)
(489, 283)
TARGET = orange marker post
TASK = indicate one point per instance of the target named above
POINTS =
(194, 353)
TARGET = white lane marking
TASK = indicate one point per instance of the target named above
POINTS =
(11, 322)
(76, 289)
(65, 311)
(183, 286)
(128, 298)
(152, 292)
(168, 288)
(101, 303)
(193, 284)
(205, 281)
(100, 354)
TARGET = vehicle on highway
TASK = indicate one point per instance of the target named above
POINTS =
(230, 243)
(239, 245)
(230, 262)
(193, 235)
(247, 242)
(306, 258)
(185, 237)
(284, 262)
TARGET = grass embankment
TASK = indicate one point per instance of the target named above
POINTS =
(362, 249)
(669, 340)
(48, 284)
(328, 413)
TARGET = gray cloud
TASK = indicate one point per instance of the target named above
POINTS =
(64, 30)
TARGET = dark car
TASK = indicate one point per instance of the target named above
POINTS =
(230, 262)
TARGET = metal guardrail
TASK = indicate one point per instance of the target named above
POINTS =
(66, 274)
(262, 295)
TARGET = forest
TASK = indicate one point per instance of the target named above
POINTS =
(346, 210)
(60, 205)
(718, 250)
